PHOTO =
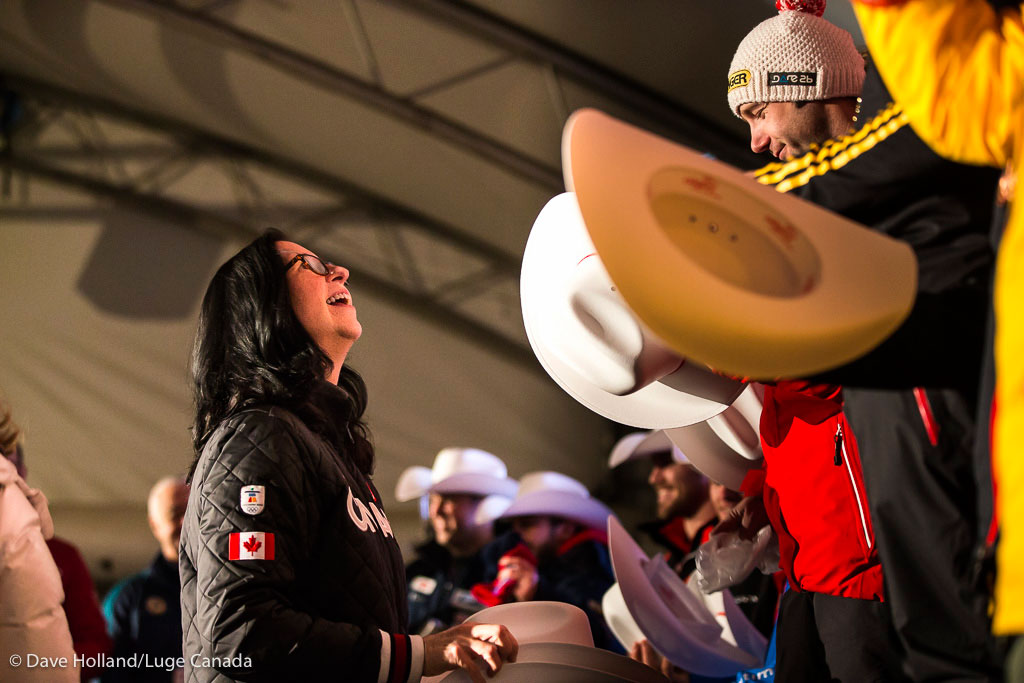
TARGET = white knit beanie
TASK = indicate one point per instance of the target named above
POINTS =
(795, 57)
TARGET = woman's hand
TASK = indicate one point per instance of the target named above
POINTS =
(476, 648)
(521, 574)
(643, 652)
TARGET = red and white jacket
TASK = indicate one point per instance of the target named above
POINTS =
(813, 492)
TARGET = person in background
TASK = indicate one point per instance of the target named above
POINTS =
(31, 618)
(143, 611)
(81, 606)
(563, 555)
(289, 567)
(685, 512)
(757, 595)
(453, 559)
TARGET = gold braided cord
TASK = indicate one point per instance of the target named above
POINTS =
(835, 154)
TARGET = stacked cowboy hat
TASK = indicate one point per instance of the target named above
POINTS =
(552, 494)
(718, 268)
(555, 646)
(660, 264)
(460, 471)
(591, 343)
(724, 448)
(703, 634)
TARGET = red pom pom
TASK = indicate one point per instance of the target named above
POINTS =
(815, 7)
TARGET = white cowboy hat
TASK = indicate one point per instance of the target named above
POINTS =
(458, 470)
(727, 271)
(678, 623)
(724, 448)
(593, 346)
(556, 495)
(643, 445)
(618, 618)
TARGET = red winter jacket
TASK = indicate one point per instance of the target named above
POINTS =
(814, 492)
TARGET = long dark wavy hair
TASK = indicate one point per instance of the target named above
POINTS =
(251, 349)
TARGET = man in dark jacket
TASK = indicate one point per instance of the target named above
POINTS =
(564, 552)
(460, 482)
(685, 514)
(846, 146)
(143, 611)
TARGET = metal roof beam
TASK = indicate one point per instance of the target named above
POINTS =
(413, 302)
(692, 128)
(195, 139)
(324, 75)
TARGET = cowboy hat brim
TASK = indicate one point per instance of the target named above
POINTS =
(691, 643)
(557, 245)
(586, 511)
(475, 483)
(727, 271)
(643, 445)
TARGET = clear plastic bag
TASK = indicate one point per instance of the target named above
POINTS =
(726, 559)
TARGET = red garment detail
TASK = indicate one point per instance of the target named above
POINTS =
(674, 532)
(993, 527)
(81, 605)
(815, 7)
(924, 406)
(485, 595)
(817, 508)
(399, 659)
(501, 591)
(753, 482)
(582, 537)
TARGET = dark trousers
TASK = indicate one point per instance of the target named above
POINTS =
(823, 638)
(923, 501)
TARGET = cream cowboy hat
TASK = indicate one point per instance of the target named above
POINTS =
(556, 644)
(460, 470)
(681, 625)
(724, 448)
(593, 346)
(556, 495)
(727, 271)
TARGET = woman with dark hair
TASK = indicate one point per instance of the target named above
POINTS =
(289, 567)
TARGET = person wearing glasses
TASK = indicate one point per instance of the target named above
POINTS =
(289, 567)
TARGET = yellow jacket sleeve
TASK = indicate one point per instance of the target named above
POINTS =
(957, 68)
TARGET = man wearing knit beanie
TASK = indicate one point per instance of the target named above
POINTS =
(795, 79)
(813, 102)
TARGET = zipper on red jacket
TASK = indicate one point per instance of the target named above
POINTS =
(840, 453)
(837, 460)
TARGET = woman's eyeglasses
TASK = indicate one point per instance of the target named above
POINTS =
(313, 263)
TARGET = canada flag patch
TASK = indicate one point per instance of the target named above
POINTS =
(251, 545)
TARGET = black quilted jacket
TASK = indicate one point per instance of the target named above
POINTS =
(314, 611)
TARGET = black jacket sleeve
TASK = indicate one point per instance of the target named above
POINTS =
(940, 346)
